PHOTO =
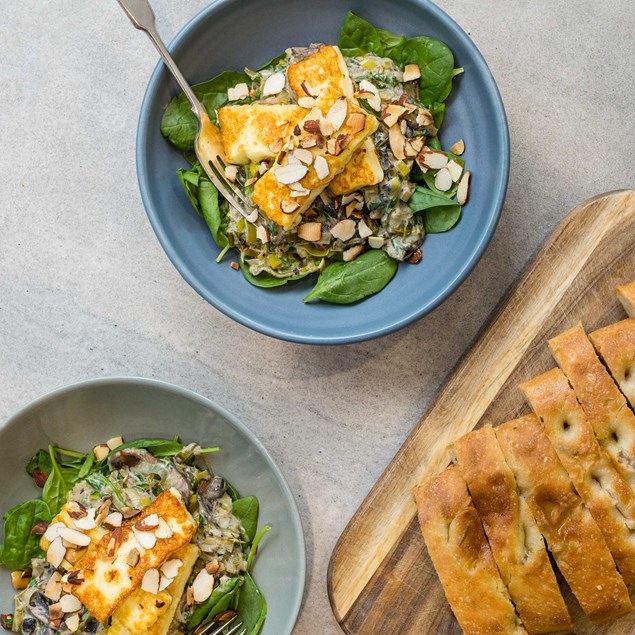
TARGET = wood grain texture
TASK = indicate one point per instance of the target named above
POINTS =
(381, 579)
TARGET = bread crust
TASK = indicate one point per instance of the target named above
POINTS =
(462, 558)
(573, 536)
(603, 403)
(615, 344)
(512, 532)
(626, 295)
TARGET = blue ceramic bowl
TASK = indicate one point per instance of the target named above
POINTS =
(83, 415)
(232, 34)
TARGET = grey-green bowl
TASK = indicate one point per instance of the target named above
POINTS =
(85, 414)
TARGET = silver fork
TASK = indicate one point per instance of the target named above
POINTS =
(207, 145)
(236, 626)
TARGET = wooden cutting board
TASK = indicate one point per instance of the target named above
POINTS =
(381, 580)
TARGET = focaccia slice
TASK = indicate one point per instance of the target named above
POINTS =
(603, 403)
(461, 556)
(362, 170)
(616, 346)
(574, 538)
(108, 572)
(514, 537)
(603, 489)
(626, 295)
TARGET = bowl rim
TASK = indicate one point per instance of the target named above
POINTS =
(500, 191)
(98, 382)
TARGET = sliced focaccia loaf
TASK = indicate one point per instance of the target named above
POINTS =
(574, 538)
(459, 551)
(626, 295)
(514, 537)
(616, 346)
(603, 489)
(603, 403)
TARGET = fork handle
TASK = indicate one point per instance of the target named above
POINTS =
(142, 17)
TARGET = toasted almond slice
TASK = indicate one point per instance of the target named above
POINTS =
(39, 529)
(55, 613)
(310, 231)
(170, 568)
(56, 552)
(53, 590)
(72, 622)
(424, 117)
(101, 451)
(164, 530)
(344, 230)
(303, 155)
(262, 234)
(74, 537)
(133, 558)
(202, 586)
(397, 142)
(352, 252)
(326, 127)
(76, 510)
(75, 578)
(53, 531)
(310, 92)
(165, 582)
(356, 122)
(292, 159)
(114, 542)
(310, 141)
(263, 166)
(411, 72)
(150, 582)
(70, 604)
(149, 523)
(276, 146)
(88, 521)
(336, 114)
(306, 102)
(289, 207)
(114, 443)
(145, 538)
(240, 91)
(461, 192)
(321, 167)
(363, 229)
(458, 148)
(375, 242)
(455, 169)
(231, 172)
(290, 173)
(312, 125)
(371, 94)
(274, 84)
(434, 160)
(113, 520)
(443, 180)
(212, 567)
(392, 113)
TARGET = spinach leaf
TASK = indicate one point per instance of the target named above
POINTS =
(441, 213)
(428, 179)
(272, 64)
(252, 607)
(56, 488)
(437, 110)
(389, 41)
(179, 124)
(231, 490)
(39, 467)
(434, 143)
(358, 37)
(246, 510)
(157, 447)
(19, 544)
(265, 279)
(346, 282)
(218, 601)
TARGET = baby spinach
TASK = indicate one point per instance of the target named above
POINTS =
(56, 488)
(346, 282)
(246, 510)
(358, 37)
(265, 279)
(274, 63)
(251, 607)
(218, 601)
(441, 212)
(39, 467)
(389, 41)
(20, 545)
(231, 490)
(179, 125)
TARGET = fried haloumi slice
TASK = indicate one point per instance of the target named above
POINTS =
(362, 170)
(250, 131)
(144, 612)
(108, 579)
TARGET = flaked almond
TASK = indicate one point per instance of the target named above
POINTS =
(72, 623)
(352, 252)
(202, 586)
(149, 523)
(19, 580)
(70, 604)
(56, 552)
(150, 582)
(321, 167)
(234, 265)
(114, 542)
(274, 84)
(39, 529)
(231, 172)
(76, 510)
(75, 577)
(309, 141)
(251, 181)
(189, 596)
(298, 187)
(363, 229)
(113, 520)
(353, 196)
(165, 582)
(420, 162)
(336, 114)
(443, 180)
(397, 142)
(286, 174)
(306, 102)
(303, 155)
(344, 139)
(130, 512)
(333, 147)
(145, 538)
(133, 558)
(461, 192)
(458, 148)
(276, 146)
(326, 127)
(289, 207)
(74, 554)
(434, 160)
(375, 242)
(74, 537)
(170, 568)
(101, 451)
(114, 443)
(53, 589)
(56, 613)
(263, 166)
(344, 230)
(356, 122)
(310, 231)
(87, 522)
(240, 91)
(310, 92)
(392, 113)
(416, 257)
(411, 72)
(163, 531)
(262, 234)
(103, 511)
(370, 94)
(455, 169)
(312, 125)
(212, 567)
(53, 530)
(424, 117)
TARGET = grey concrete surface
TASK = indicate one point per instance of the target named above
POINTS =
(85, 289)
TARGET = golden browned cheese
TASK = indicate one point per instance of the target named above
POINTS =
(461, 556)
(605, 406)
(362, 170)
(626, 295)
(512, 532)
(572, 535)
(108, 578)
(616, 346)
